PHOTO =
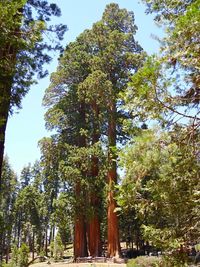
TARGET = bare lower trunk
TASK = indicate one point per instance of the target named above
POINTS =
(33, 246)
(80, 242)
(113, 228)
(94, 234)
(94, 237)
(46, 241)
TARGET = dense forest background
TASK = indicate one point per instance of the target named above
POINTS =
(122, 164)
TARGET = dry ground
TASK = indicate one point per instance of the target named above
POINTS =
(45, 264)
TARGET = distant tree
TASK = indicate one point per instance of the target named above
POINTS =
(51, 181)
(26, 176)
(28, 207)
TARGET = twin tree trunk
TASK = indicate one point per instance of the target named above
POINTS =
(81, 247)
(80, 241)
(87, 236)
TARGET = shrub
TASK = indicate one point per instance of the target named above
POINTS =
(58, 248)
(15, 256)
(23, 255)
(144, 261)
(42, 255)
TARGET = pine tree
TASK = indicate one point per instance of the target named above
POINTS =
(23, 52)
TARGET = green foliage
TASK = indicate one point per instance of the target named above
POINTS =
(22, 25)
(161, 180)
(58, 248)
(42, 256)
(144, 261)
(197, 247)
(7, 199)
(15, 256)
(161, 183)
(166, 87)
(23, 255)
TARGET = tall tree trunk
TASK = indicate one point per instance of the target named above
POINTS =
(46, 241)
(113, 229)
(33, 245)
(80, 241)
(4, 111)
(94, 236)
(94, 233)
(8, 55)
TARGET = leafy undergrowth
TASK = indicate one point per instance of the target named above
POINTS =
(144, 261)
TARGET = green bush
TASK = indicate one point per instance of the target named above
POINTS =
(6, 264)
(58, 248)
(14, 255)
(144, 261)
(23, 255)
(174, 260)
(42, 255)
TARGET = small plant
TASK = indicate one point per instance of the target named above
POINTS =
(6, 264)
(144, 261)
(23, 255)
(42, 255)
(15, 256)
(58, 248)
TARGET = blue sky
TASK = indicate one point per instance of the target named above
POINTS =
(26, 127)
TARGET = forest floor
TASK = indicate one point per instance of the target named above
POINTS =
(64, 264)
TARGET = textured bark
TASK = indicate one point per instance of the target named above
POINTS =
(94, 233)
(113, 230)
(80, 241)
(4, 111)
(8, 53)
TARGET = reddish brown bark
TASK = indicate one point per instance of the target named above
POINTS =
(94, 234)
(113, 230)
(80, 242)
(94, 237)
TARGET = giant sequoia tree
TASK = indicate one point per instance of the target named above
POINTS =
(85, 107)
(23, 52)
